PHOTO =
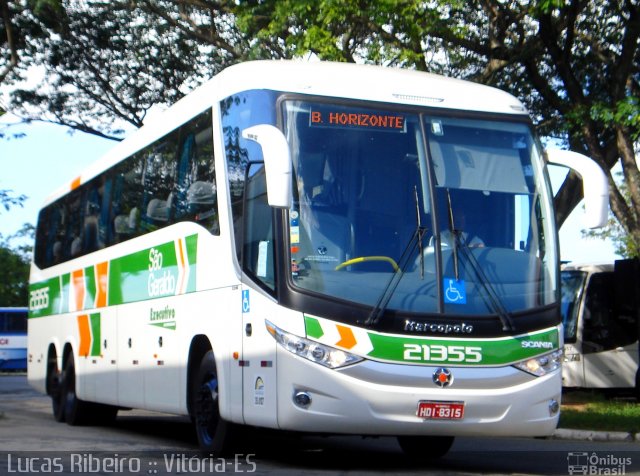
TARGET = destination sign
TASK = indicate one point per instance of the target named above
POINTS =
(357, 119)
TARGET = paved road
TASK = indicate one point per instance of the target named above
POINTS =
(148, 443)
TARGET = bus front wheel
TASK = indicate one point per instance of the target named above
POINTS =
(425, 447)
(212, 430)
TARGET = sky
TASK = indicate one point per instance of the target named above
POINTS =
(49, 156)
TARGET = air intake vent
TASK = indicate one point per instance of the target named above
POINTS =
(414, 98)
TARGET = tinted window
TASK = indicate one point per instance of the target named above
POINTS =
(603, 330)
(169, 181)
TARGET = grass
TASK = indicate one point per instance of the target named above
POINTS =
(593, 411)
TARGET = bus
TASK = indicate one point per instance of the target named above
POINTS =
(13, 338)
(600, 313)
(268, 253)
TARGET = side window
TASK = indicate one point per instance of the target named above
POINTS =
(602, 329)
(258, 229)
(252, 221)
(157, 177)
(169, 181)
(195, 183)
(127, 198)
(96, 222)
(73, 233)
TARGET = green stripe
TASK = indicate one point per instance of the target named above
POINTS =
(192, 253)
(96, 337)
(473, 352)
(313, 327)
(63, 298)
(90, 287)
(130, 280)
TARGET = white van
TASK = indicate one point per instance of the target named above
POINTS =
(600, 307)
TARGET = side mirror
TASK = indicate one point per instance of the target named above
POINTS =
(277, 162)
(595, 186)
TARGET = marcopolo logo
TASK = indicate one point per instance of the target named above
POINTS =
(416, 326)
(165, 283)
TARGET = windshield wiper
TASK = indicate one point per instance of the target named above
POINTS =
(416, 241)
(454, 232)
(492, 297)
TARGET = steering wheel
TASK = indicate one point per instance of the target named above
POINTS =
(362, 259)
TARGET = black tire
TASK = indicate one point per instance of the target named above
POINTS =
(214, 433)
(76, 411)
(54, 388)
(425, 448)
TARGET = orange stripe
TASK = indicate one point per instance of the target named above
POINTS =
(102, 271)
(347, 339)
(182, 266)
(85, 335)
(77, 278)
(75, 183)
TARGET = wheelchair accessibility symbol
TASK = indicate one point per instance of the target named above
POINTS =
(246, 307)
(454, 291)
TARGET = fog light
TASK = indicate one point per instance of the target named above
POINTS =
(554, 407)
(302, 399)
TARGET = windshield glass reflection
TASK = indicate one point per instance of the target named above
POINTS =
(364, 179)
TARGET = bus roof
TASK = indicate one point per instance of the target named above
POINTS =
(343, 80)
(588, 267)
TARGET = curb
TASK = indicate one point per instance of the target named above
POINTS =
(591, 435)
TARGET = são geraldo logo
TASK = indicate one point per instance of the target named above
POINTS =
(160, 283)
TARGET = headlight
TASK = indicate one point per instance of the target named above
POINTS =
(310, 350)
(541, 365)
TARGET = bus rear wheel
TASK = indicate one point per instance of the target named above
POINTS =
(54, 389)
(425, 448)
(214, 433)
(76, 411)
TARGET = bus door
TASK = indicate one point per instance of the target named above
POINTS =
(258, 347)
(609, 335)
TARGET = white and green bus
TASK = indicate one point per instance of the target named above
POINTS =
(316, 247)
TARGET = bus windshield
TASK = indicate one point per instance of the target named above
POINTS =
(455, 210)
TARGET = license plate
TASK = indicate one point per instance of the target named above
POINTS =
(441, 410)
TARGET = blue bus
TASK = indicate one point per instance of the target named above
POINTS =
(13, 338)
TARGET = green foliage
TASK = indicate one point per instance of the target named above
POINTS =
(7, 199)
(574, 64)
(15, 257)
(623, 242)
(625, 112)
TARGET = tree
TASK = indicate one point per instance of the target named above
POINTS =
(7, 200)
(19, 23)
(107, 63)
(573, 62)
(15, 257)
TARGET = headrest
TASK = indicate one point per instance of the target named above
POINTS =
(158, 210)
(201, 193)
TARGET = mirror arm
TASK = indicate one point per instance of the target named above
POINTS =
(595, 185)
(277, 162)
